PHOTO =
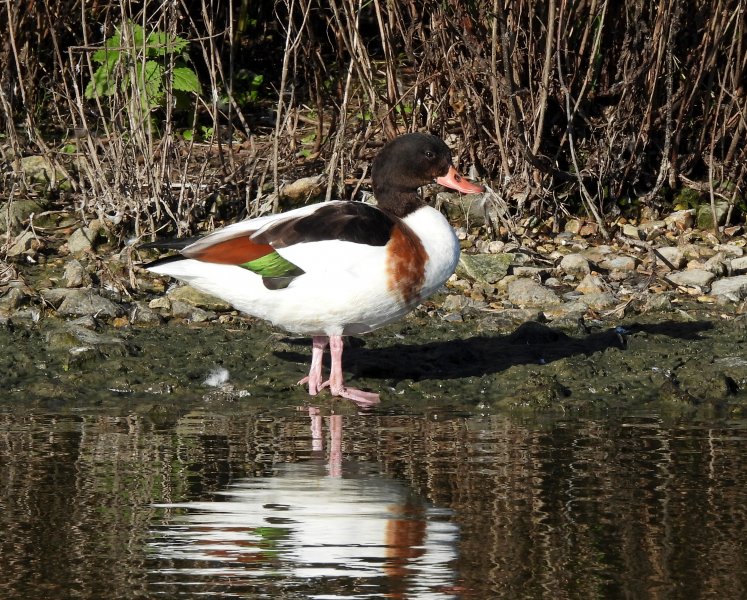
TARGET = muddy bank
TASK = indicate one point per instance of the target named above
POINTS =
(683, 360)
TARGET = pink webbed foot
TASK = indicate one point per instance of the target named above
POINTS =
(361, 398)
(336, 382)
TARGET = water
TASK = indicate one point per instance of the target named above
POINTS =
(287, 503)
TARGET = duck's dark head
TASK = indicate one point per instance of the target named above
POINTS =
(409, 162)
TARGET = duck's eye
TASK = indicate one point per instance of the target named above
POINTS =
(429, 154)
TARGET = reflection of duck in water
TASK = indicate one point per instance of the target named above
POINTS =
(305, 523)
(335, 268)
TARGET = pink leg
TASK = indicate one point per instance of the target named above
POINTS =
(336, 383)
(314, 378)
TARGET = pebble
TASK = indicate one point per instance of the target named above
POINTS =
(739, 265)
(81, 302)
(75, 275)
(680, 220)
(591, 284)
(576, 265)
(717, 265)
(619, 262)
(692, 278)
(81, 241)
(12, 299)
(189, 295)
(484, 267)
(730, 289)
(598, 300)
(23, 244)
(673, 255)
(527, 293)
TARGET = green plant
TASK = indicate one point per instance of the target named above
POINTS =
(205, 132)
(137, 65)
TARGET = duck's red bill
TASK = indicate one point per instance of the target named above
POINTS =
(455, 181)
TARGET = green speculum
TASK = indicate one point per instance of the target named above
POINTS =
(272, 265)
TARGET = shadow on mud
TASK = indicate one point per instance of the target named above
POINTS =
(531, 343)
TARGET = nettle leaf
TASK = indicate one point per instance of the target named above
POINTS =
(102, 83)
(110, 52)
(162, 43)
(185, 79)
(152, 82)
(138, 35)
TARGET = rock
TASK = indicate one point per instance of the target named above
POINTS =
(55, 296)
(527, 292)
(192, 313)
(598, 300)
(142, 314)
(12, 299)
(619, 262)
(80, 302)
(573, 226)
(673, 255)
(453, 303)
(718, 265)
(463, 208)
(18, 211)
(162, 302)
(484, 267)
(75, 275)
(705, 214)
(81, 240)
(196, 298)
(659, 301)
(304, 188)
(730, 250)
(681, 219)
(692, 278)
(731, 289)
(589, 229)
(739, 265)
(23, 244)
(631, 231)
(591, 284)
(576, 265)
(650, 226)
(40, 169)
(529, 271)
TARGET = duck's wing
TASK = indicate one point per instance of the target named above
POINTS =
(263, 245)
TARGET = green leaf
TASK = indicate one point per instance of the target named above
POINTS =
(151, 82)
(110, 52)
(185, 79)
(188, 135)
(162, 43)
(138, 35)
(102, 83)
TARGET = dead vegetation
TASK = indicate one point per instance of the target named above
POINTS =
(593, 107)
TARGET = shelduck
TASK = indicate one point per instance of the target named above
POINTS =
(336, 268)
